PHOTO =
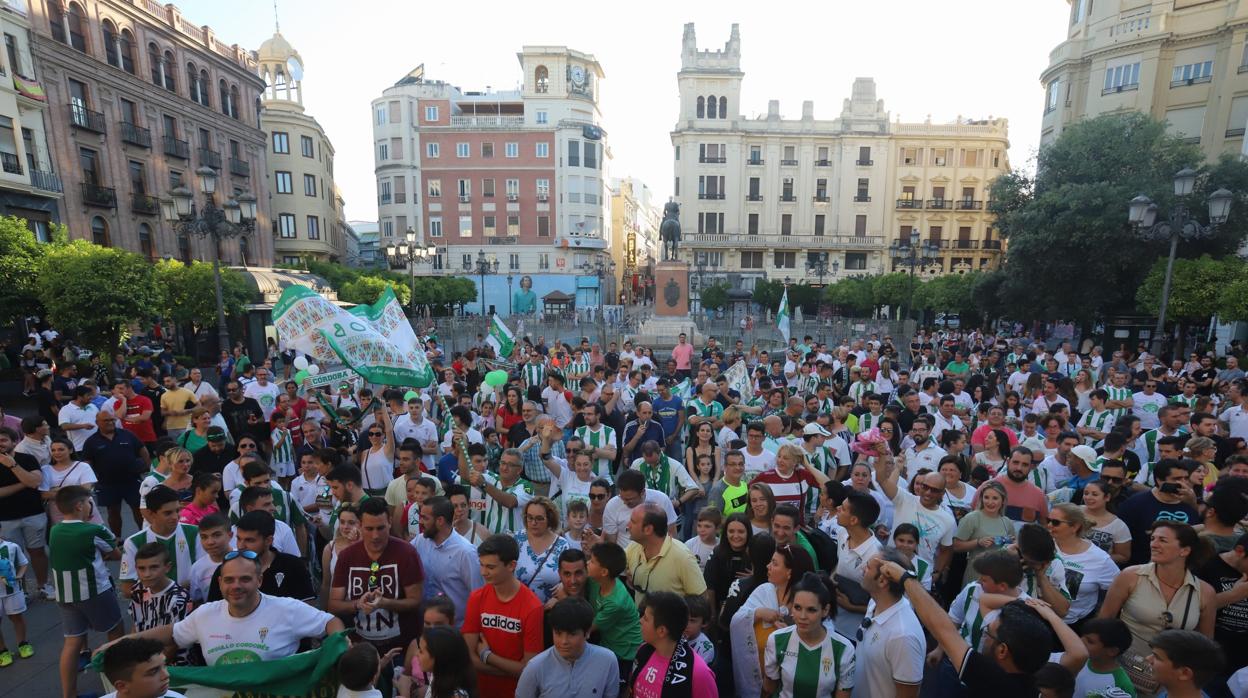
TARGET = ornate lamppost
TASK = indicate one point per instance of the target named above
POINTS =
(406, 253)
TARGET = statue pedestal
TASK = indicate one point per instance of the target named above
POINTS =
(671, 289)
(671, 306)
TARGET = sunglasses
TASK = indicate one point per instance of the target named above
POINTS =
(245, 554)
(1057, 522)
(374, 433)
(372, 576)
(597, 497)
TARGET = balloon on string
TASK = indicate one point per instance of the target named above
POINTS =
(313, 369)
(301, 363)
(495, 379)
(301, 376)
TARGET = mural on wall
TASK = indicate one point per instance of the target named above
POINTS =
(526, 296)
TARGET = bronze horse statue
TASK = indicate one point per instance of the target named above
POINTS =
(669, 230)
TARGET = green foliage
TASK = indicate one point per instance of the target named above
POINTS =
(767, 294)
(439, 293)
(854, 295)
(893, 289)
(95, 291)
(367, 289)
(952, 293)
(20, 259)
(1196, 289)
(715, 296)
(1071, 252)
(189, 294)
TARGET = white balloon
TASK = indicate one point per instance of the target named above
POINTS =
(313, 369)
(301, 363)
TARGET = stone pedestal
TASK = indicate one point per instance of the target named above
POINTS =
(671, 289)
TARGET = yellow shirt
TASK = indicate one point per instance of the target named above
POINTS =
(674, 569)
(179, 399)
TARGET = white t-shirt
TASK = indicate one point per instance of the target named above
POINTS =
(204, 389)
(80, 473)
(936, 528)
(851, 562)
(701, 550)
(616, 514)
(201, 577)
(891, 650)
(73, 414)
(1087, 574)
(265, 395)
(557, 406)
(757, 464)
(1146, 408)
(1237, 419)
(284, 540)
(424, 432)
(474, 437)
(927, 458)
(272, 631)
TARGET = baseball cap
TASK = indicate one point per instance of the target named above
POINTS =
(815, 428)
(1085, 453)
(215, 434)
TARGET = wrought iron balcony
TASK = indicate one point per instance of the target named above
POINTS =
(862, 198)
(822, 198)
(788, 198)
(713, 161)
(210, 157)
(823, 163)
(95, 195)
(910, 203)
(788, 163)
(12, 163)
(136, 135)
(83, 118)
(864, 163)
(145, 204)
(753, 197)
(711, 195)
(240, 168)
(176, 148)
(940, 204)
(755, 161)
(991, 244)
(969, 205)
(47, 181)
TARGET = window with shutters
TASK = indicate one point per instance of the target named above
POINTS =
(752, 259)
(860, 226)
(819, 223)
(786, 224)
(487, 187)
(487, 150)
(785, 260)
(752, 224)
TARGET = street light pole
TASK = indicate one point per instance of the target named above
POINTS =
(485, 266)
(510, 278)
(1142, 214)
(408, 253)
(914, 256)
(235, 218)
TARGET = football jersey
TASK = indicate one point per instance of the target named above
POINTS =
(809, 672)
(183, 546)
(78, 570)
(603, 437)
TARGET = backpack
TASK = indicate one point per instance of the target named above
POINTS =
(825, 548)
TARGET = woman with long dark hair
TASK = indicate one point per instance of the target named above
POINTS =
(509, 412)
(730, 560)
(764, 612)
(761, 549)
(996, 450)
(813, 605)
(444, 659)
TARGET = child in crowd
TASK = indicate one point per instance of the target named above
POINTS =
(1000, 575)
(703, 544)
(1183, 661)
(214, 538)
(577, 520)
(695, 631)
(1053, 681)
(282, 455)
(206, 486)
(305, 487)
(493, 449)
(906, 541)
(419, 489)
(13, 563)
(136, 669)
(1106, 640)
(358, 669)
(156, 600)
(439, 610)
(615, 613)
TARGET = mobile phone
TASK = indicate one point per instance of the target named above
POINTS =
(1169, 488)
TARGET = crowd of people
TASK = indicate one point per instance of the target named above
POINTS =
(965, 514)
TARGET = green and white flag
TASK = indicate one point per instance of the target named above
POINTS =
(782, 316)
(375, 341)
(739, 380)
(501, 338)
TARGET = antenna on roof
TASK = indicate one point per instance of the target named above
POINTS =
(277, 25)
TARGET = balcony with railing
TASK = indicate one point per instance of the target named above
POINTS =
(95, 195)
(710, 195)
(145, 204)
(11, 163)
(823, 163)
(862, 199)
(822, 198)
(136, 135)
(177, 149)
(864, 163)
(400, 197)
(755, 161)
(787, 242)
(909, 203)
(47, 181)
(753, 197)
(788, 163)
(940, 204)
(210, 158)
(85, 119)
(487, 121)
(970, 205)
(788, 198)
(712, 160)
(991, 245)
(239, 167)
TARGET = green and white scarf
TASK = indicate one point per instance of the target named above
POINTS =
(658, 478)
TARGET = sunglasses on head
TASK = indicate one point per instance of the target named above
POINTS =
(245, 554)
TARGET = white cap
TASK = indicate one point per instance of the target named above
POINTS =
(815, 428)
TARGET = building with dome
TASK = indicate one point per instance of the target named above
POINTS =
(303, 202)
(138, 97)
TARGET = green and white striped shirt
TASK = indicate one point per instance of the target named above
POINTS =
(283, 448)
(857, 390)
(808, 672)
(578, 369)
(288, 510)
(867, 420)
(183, 547)
(1118, 394)
(534, 374)
(1102, 421)
(74, 554)
(807, 385)
(1184, 400)
(494, 516)
(602, 437)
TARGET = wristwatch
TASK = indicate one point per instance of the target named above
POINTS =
(906, 576)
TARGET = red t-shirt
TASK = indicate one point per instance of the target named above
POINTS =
(136, 406)
(398, 566)
(1025, 503)
(510, 629)
(793, 489)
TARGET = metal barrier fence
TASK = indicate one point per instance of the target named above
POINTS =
(460, 333)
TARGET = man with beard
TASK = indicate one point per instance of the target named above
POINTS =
(243, 415)
(450, 561)
(1025, 503)
(215, 456)
(925, 511)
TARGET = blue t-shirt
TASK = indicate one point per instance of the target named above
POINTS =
(667, 412)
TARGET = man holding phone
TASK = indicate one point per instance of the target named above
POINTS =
(1170, 499)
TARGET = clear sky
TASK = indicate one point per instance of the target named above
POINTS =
(974, 58)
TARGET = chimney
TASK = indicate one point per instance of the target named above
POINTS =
(808, 110)
(773, 109)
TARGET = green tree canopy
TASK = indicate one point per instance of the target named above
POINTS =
(1196, 287)
(96, 291)
(21, 256)
(893, 289)
(366, 290)
(715, 296)
(189, 295)
(1071, 252)
(854, 295)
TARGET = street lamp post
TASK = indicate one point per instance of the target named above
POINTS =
(1142, 214)
(235, 218)
(510, 278)
(408, 254)
(485, 266)
(913, 255)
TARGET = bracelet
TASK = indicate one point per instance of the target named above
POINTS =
(485, 656)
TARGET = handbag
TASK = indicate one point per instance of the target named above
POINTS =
(1136, 664)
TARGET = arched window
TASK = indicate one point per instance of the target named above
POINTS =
(192, 82)
(701, 106)
(171, 82)
(146, 244)
(127, 51)
(77, 27)
(205, 88)
(153, 57)
(110, 44)
(184, 248)
(223, 94)
(712, 107)
(234, 101)
(56, 21)
(723, 107)
(541, 79)
(99, 232)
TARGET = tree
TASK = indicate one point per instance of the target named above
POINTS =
(20, 258)
(96, 291)
(365, 290)
(851, 296)
(189, 294)
(715, 296)
(1071, 252)
(767, 294)
(1196, 287)
(950, 293)
(893, 290)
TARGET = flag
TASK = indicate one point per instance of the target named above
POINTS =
(310, 673)
(782, 316)
(500, 338)
(739, 380)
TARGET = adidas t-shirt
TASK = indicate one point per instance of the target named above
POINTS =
(807, 671)
(510, 629)
(272, 631)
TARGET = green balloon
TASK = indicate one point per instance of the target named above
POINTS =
(410, 395)
(495, 378)
(301, 376)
